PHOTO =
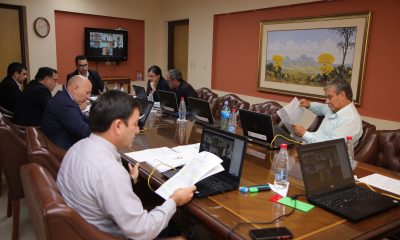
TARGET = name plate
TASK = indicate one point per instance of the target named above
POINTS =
(257, 135)
(201, 118)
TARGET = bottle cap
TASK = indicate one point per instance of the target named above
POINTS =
(233, 110)
(283, 145)
(226, 102)
(349, 138)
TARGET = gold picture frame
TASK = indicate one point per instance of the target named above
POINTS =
(298, 56)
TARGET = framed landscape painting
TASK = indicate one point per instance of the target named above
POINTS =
(298, 56)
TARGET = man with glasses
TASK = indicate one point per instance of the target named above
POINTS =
(11, 86)
(82, 68)
(30, 106)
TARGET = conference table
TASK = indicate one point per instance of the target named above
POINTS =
(221, 212)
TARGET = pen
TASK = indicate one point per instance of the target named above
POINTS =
(255, 188)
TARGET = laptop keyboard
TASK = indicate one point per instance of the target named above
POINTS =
(347, 197)
(214, 184)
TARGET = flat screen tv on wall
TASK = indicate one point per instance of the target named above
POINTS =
(106, 44)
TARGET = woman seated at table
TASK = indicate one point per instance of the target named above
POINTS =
(155, 82)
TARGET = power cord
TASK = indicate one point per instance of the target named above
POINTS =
(287, 139)
(372, 189)
(152, 172)
(294, 197)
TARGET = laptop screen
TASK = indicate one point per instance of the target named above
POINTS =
(140, 92)
(201, 110)
(229, 147)
(145, 109)
(256, 125)
(168, 101)
(325, 166)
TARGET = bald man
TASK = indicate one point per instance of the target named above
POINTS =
(63, 121)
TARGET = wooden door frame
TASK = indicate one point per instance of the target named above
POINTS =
(21, 28)
(171, 26)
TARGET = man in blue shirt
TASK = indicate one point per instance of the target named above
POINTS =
(341, 116)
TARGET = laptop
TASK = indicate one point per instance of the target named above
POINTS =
(259, 128)
(231, 148)
(201, 111)
(329, 182)
(140, 92)
(145, 109)
(168, 102)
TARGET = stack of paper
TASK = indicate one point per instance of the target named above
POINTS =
(202, 165)
(164, 158)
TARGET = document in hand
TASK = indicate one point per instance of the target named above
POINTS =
(202, 165)
(291, 114)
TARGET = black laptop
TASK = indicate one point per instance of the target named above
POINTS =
(140, 92)
(329, 182)
(168, 102)
(201, 111)
(145, 109)
(231, 148)
(259, 128)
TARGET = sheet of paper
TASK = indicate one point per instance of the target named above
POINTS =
(164, 158)
(280, 191)
(193, 148)
(291, 113)
(201, 165)
(385, 183)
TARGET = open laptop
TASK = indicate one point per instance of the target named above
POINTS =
(259, 128)
(231, 148)
(329, 182)
(140, 92)
(201, 111)
(168, 102)
(145, 109)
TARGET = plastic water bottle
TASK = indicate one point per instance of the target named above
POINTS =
(350, 151)
(281, 167)
(232, 121)
(225, 114)
(150, 97)
(182, 110)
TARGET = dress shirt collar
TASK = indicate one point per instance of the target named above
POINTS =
(18, 84)
(344, 111)
(106, 145)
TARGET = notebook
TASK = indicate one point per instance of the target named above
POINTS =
(201, 111)
(168, 102)
(259, 128)
(329, 182)
(140, 92)
(145, 109)
(231, 148)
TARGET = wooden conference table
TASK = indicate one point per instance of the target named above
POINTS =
(223, 211)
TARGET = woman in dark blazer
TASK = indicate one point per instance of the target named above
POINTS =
(155, 82)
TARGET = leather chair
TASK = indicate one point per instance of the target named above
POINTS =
(270, 108)
(366, 137)
(206, 94)
(43, 151)
(233, 101)
(51, 217)
(315, 124)
(13, 155)
(6, 113)
(382, 150)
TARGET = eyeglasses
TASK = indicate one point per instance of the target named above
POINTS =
(82, 65)
(152, 76)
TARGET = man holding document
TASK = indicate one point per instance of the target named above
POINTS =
(93, 181)
(341, 116)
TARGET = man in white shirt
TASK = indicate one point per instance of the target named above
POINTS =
(93, 181)
(341, 116)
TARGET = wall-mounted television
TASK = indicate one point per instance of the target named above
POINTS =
(106, 44)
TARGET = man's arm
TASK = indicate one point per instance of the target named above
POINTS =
(116, 197)
(72, 119)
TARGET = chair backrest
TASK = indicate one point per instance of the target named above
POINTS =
(233, 101)
(315, 124)
(6, 113)
(270, 108)
(43, 151)
(206, 94)
(368, 129)
(51, 217)
(13, 155)
(382, 149)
